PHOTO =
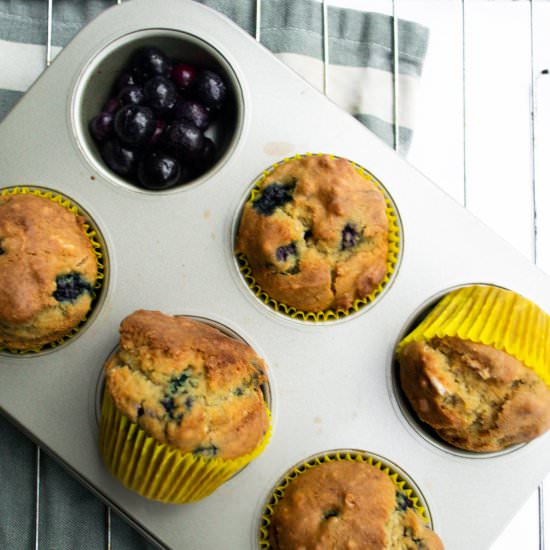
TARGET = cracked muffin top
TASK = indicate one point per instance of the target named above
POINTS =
(476, 397)
(316, 234)
(47, 271)
(188, 385)
(344, 505)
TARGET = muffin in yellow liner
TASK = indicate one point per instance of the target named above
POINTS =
(156, 470)
(61, 276)
(183, 409)
(318, 238)
(353, 497)
(477, 368)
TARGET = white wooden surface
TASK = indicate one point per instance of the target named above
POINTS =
(474, 135)
(479, 130)
(476, 138)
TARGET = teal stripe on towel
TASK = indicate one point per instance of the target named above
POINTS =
(356, 39)
(384, 130)
(8, 98)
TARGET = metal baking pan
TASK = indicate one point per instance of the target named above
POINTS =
(332, 383)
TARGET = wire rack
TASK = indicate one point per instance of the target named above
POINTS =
(395, 5)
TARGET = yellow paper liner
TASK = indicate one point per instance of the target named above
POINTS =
(329, 314)
(495, 317)
(350, 456)
(91, 234)
(158, 471)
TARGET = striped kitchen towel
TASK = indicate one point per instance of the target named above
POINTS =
(359, 53)
(359, 79)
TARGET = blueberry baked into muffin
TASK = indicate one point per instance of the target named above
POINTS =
(471, 369)
(342, 505)
(48, 270)
(191, 389)
(315, 235)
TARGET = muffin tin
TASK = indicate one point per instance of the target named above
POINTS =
(331, 383)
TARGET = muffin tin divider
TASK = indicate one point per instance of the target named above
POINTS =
(172, 251)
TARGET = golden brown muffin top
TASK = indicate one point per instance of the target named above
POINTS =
(188, 385)
(347, 505)
(475, 396)
(39, 241)
(316, 235)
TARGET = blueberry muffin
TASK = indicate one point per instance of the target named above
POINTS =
(191, 389)
(342, 505)
(315, 235)
(474, 396)
(474, 369)
(47, 271)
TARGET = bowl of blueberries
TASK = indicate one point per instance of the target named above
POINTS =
(158, 110)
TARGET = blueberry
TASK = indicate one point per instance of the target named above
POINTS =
(209, 450)
(183, 75)
(140, 411)
(119, 158)
(185, 138)
(160, 126)
(189, 402)
(169, 406)
(206, 158)
(149, 62)
(158, 170)
(274, 195)
(308, 234)
(283, 252)
(193, 112)
(124, 79)
(2, 251)
(160, 94)
(131, 95)
(134, 124)
(238, 392)
(176, 382)
(70, 286)
(210, 89)
(331, 513)
(112, 105)
(350, 237)
(187, 173)
(403, 502)
(101, 126)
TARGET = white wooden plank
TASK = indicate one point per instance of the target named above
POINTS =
(541, 63)
(435, 130)
(437, 146)
(497, 112)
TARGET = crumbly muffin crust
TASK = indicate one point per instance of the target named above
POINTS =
(316, 236)
(188, 385)
(47, 271)
(347, 505)
(476, 397)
